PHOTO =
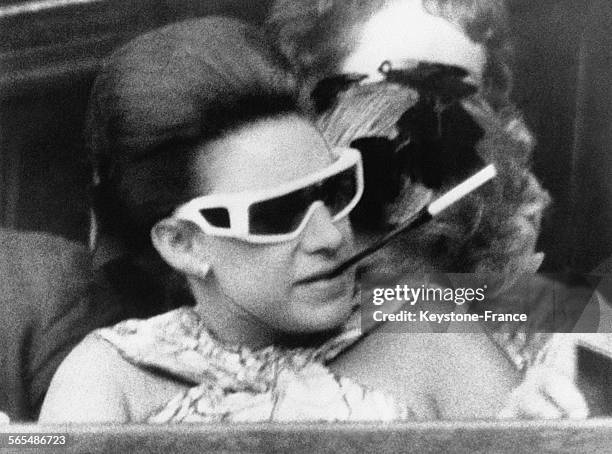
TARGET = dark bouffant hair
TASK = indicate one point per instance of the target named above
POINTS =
(161, 96)
(158, 99)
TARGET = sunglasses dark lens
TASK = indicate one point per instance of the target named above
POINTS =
(279, 215)
(217, 217)
(284, 214)
(338, 191)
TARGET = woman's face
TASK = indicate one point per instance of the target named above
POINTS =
(402, 31)
(266, 279)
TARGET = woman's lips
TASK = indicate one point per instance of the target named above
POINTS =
(333, 286)
(319, 276)
(326, 275)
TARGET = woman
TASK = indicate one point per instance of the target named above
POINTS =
(195, 119)
(197, 109)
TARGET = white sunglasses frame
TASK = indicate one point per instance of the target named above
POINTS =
(238, 203)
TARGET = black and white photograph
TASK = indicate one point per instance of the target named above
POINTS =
(306, 226)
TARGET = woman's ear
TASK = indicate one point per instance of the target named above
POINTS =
(176, 241)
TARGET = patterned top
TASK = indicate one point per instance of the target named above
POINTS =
(235, 383)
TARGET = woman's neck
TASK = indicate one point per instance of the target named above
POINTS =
(226, 319)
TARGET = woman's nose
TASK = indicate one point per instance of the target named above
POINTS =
(321, 234)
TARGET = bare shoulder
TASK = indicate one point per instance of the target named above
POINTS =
(401, 364)
(87, 386)
(95, 384)
(440, 375)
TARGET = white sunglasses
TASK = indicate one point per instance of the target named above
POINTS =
(280, 214)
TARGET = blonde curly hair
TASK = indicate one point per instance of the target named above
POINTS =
(305, 30)
(494, 231)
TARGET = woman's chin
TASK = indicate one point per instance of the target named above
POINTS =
(313, 316)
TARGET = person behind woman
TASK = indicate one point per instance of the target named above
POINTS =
(496, 233)
(323, 38)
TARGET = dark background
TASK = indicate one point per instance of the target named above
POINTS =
(48, 58)
(564, 86)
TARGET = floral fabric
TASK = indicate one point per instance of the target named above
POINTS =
(234, 383)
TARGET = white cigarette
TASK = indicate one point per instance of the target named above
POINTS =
(460, 191)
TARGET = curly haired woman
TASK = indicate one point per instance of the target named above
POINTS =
(492, 234)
